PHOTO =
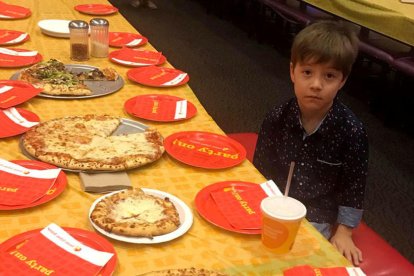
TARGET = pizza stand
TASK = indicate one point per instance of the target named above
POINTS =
(200, 165)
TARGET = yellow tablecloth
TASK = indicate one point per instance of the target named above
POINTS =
(389, 17)
(204, 245)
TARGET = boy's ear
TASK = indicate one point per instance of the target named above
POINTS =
(343, 83)
(292, 76)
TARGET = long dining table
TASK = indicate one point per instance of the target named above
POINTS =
(392, 18)
(204, 245)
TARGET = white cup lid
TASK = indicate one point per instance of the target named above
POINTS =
(282, 207)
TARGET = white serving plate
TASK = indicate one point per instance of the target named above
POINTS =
(55, 27)
(186, 219)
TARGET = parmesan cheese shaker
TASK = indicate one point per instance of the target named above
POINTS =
(79, 40)
(99, 37)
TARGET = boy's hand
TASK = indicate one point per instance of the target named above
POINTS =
(342, 240)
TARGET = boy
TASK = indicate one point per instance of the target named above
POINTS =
(325, 139)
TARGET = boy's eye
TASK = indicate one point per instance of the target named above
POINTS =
(330, 75)
(306, 72)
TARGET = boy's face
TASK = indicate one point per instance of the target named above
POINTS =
(316, 85)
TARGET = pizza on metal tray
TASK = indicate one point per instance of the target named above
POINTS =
(55, 79)
(85, 143)
(134, 213)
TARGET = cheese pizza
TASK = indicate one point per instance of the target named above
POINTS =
(135, 214)
(86, 143)
(55, 79)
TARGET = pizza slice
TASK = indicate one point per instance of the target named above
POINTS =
(134, 213)
(106, 74)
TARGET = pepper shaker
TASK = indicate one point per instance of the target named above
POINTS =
(99, 37)
(79, 40)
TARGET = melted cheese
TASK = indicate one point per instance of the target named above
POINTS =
(138, 210)
(102, 148)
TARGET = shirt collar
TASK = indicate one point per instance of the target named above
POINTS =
(326, 124)
(331, 118)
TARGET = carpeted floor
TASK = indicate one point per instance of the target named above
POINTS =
(238, 79)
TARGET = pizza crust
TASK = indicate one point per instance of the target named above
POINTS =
(133, 213)
(191, 271)
(85, 143)
(61, 89)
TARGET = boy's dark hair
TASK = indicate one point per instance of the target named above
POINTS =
(326, 41)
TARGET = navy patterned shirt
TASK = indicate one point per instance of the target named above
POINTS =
(330, 164)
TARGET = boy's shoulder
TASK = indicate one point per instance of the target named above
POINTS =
(278, 111)
(346, 120)
(346, 114)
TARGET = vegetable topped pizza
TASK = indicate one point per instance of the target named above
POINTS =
(55, 79)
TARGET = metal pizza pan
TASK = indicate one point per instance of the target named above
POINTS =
(98, 88)
(127, 126)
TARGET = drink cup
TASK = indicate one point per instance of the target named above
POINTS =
(281, 217)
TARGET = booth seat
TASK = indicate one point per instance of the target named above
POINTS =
(380, 258)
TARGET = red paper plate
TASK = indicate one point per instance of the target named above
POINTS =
(96, 9)
(20, 92)
(121, 39)
(204, 149)
(158, 76)
(157, 107)
(88, 238)
(7, 60)
(57, 188)
(9, 37)
(207, 207)
(9, 128)
(8, 11)
(135, 58)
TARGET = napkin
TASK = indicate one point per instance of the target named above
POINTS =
(53, 251)
(5, 88)
(12, 11)
(241, 207)
(160, 108)
(14, 92)
(18, 39)
(175, 80)
(307, 270)
(20, 186)
(104, 182)
(137, 57)
(134, 42)
(12, 122)
(11, 37)
(11, 52)
(180, 109)
(157, 76)
(12, 58)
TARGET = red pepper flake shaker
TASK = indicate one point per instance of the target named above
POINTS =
(79, 40)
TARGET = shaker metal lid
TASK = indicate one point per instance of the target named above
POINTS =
(78, 24)
(99, 22)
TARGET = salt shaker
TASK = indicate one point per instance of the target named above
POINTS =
(99, 37)
(79, 40)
